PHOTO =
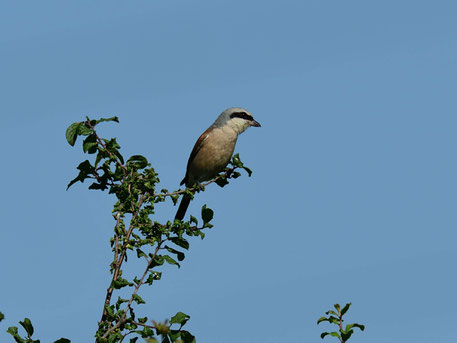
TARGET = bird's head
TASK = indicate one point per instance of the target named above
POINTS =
(237, 118)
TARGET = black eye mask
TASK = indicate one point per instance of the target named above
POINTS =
(242, 115)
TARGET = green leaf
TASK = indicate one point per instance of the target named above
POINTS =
(120, 283)
(110, 310)
(187, 337)
(72, 133)
(140, 253)
(171, 260)
(348, 327)
(322, 319)
(63, 340)
(331, 312)
(139, 161)
(100, 156)
(179, 241)
(118, 155)
(138, 299)
(83, 130)
(150, 279)
(119, 302)
(193, 220)
(85, 169)
(249, 171)
(174, 335)
(337, 306)
(355, 325)
(335, 334)
(179, 318)
(134, 339)
(360, 326)
(27, 325)
(12, 330)
(96, 185)
(158, 260)
(222, 181)
(207, 214)
(111, 144)
(175, 198)
(345, 308)
(323, 334)
(235, 175)
(2, 316)
(116, 119)
(146, 332)
(346, 335)
(333, 320)
(90, 144)
(236, 160)
(180, 255)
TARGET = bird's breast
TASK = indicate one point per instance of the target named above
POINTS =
(214, 155)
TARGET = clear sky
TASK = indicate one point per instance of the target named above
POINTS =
(353, 196)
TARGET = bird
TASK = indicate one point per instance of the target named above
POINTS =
(213, 150)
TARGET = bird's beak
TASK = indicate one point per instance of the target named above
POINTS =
(255, 123)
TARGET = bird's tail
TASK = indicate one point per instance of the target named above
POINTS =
(185, 201)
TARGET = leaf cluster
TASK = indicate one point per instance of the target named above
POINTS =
(336, 317)
(28, 327)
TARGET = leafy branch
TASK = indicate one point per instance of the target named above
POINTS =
(134, 184)
(344, 333)
(28, 327)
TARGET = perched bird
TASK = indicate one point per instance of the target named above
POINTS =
(213, 150)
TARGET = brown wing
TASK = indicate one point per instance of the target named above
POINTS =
(198, 145)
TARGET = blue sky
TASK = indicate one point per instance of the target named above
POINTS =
(354, 191)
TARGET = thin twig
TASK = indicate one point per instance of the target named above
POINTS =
(192, 189)
(145, 325)
(341, 324)
(137, 287)
(116, 237)
(109, 292)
